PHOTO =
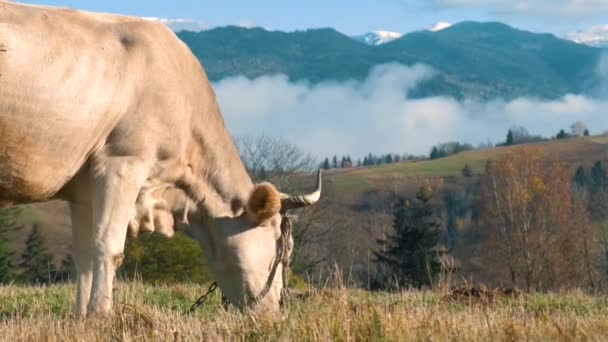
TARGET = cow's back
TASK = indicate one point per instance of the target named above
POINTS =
(67, 78)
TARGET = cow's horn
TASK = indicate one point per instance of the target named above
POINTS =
(293, 202)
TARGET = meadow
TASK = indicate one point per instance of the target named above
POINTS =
(145, 312)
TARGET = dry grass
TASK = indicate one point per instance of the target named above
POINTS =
(153, 313)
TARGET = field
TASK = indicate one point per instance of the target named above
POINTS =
(348, 184)
(145, 312)
(579, 150)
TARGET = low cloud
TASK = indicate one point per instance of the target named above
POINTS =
(375, 115)
(246, 23)
(594, 36)
(602, 72)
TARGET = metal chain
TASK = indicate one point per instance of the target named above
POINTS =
(202, 299)
(281, 257)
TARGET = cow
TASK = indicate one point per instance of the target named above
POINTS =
(115, 115)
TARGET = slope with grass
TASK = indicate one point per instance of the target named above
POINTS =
(154, 313)
(584, 150)
(349, 185)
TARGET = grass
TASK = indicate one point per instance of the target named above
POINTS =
(145, 312)
(575, 150)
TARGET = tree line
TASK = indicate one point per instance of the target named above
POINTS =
(150, 258)
(533, 223)
(516, 135)
(550, 235)
(35, 264)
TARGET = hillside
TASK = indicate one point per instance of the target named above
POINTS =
(577, 150)
(479, 60)
(353, 191)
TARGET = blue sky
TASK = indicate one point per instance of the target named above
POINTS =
(359, 16)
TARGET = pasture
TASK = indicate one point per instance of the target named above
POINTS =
(146, 312)
(581, 150)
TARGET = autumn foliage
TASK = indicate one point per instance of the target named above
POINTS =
(536, 230)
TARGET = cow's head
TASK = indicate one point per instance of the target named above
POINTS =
(246, 249)
(246, 253)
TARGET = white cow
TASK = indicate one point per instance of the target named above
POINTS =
(115, 115)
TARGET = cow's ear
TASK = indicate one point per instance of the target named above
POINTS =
(264, 202)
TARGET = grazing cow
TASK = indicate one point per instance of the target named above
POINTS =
(115, 115)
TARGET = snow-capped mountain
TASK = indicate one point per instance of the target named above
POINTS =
(439, 26)
(378, 37)
(595, 36)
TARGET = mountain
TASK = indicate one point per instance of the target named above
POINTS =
(490, 60)
(594, 36)
(472, 59)
(377, 37)
(313, 55)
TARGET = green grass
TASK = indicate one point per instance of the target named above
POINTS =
(573, 150)
(145, 312)
(360, 179)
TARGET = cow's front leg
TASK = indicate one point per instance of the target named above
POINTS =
(82, 246)
(116, 191)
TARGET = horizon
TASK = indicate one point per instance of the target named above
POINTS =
(364, 110)
(561, 17)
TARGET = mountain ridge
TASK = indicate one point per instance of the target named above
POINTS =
(472, 59)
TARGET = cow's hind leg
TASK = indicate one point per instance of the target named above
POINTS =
(116, 191)
(82, 246)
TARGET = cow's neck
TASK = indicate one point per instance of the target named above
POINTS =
(221, 181)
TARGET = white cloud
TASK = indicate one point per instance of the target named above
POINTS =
(602, 72)
(181, 24)
(246, 23)
(594, 36)
(534, 7)
(375, 115)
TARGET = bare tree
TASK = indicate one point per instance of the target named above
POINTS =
(311, 232)
(274, 159)
(578, 129)
(531, 214)
(281, 162)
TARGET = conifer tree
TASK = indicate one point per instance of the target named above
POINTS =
(36, 265)
(580, 177)
(598, 192)
(7, 222)
(326, 165)
(334, 163)
(562, 134)
(467, 171)
(510, 141)
(409, 253)
(435, 153)
(346, 162)
(599, 176)
(67, 271)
